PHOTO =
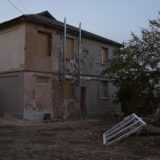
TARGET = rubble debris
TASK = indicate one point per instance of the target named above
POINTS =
(157, 114)
(130, 125)
(150, 129)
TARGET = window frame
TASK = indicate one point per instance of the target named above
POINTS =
(103, 61)
(67, 56)
(104, 94)
(68, 97)
(49, 42)
(42, 82)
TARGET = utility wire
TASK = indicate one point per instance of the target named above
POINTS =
(14, 6)
(23, 6)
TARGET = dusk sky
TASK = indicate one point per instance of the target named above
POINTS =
(113, 19)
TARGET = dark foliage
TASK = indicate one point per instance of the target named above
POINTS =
(135, 70)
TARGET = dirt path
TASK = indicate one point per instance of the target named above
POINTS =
(71, 140)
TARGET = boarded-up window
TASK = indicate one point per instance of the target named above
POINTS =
(69, 48)
(43, 44)
(68, 89)
(41, 79)
(105, 55)
(104, 90)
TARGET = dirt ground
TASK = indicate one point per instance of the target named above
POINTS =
(71, 140)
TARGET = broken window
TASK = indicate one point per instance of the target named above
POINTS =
(69, 48)
(68, 89)
(104, 90)
(42, 79)
(43, 44)
(105, 55)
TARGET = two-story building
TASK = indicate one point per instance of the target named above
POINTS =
(36, 78)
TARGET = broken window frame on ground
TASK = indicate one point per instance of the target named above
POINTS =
(128, 126)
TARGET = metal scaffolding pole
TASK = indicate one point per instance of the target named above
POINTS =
(79, 48)
(64, 48)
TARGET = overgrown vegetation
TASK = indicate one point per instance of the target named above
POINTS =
(135, 70)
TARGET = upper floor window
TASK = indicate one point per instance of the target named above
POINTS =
(43, 44)
(69, 48)
(104, 89)
(105, 55)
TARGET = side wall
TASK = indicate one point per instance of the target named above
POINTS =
(97, 106)
(11, 94)
(12, 48)
(91, 68)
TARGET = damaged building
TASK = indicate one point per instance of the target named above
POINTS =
(37, 78)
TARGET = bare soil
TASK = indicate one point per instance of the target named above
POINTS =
(71, 140)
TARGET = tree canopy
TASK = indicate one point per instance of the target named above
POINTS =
(135, 70)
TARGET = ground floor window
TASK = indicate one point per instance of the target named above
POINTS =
(68, 89)
(104, 90)
(42, 79)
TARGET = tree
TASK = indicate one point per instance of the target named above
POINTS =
(135, 70)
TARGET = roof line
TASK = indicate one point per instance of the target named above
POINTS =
(50, 21)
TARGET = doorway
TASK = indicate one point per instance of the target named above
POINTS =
(83, 110)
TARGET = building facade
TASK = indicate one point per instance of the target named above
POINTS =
(36, 78)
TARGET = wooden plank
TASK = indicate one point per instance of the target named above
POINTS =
(70, 48)
(68, 89)
(43, 44)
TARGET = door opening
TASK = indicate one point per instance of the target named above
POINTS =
(83, 109)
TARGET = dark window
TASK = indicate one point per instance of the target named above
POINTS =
(104, 90)
(105, 55)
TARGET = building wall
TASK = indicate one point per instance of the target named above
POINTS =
(12, 48)
(43, 96)
(49, 97)
(33, 62)
(46, 97)
(39, 88)
(38, 98)
(91, 68)
(91, 57)
(95, 104)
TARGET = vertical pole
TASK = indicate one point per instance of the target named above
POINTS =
(64, 48)
(79, 68)
(79, 48)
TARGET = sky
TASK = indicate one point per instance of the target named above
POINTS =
(113, 19)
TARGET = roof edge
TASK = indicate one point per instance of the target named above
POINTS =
(72, 29)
